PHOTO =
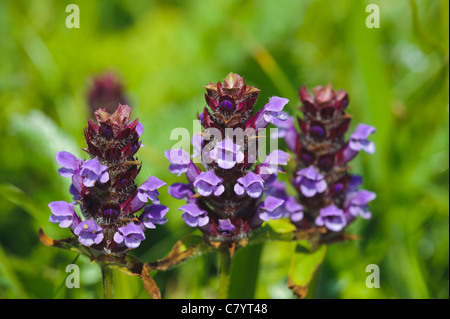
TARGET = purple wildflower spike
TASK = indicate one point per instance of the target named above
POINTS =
(227, 195)
(322, 155)
(104, 187)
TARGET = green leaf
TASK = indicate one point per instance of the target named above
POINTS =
(281, 226)
(304, 264)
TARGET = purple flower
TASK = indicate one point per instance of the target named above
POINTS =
(293, 209)
(286, 130)
(93, 171)
(225, 226)
(271, 208)
(179, 161)
(310, 181)
(181, 191)
(194, 216)
(197, 141)
(208, 183)
(192, 172)
(131, 234)
(139, 129)
(227, 154)
(89, 232)
(251, 183)
(64, 214)
(272, 162)
(70, 164)
(358, 141)
(154, 214)
(356, 203)
(148, 190)
(271, 112)
(332, 218)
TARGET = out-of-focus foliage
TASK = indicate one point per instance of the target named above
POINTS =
(165, 52)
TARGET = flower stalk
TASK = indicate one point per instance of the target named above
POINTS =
(224, 275)
(107, 281)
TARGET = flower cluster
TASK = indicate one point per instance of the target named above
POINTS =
(328, 195)
(104, 189)
(226, 200)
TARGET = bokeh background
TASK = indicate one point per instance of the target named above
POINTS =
(164, 52)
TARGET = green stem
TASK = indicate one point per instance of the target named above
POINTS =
(107, 275)
(224, 275)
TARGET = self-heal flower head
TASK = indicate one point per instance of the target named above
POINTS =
(332, 218)
(154, 214)
(226, 154)
(105, 189)
(356, 203)
(63, 214)
(225, 195)
(310, 182)
(251, 184)
(194, 216)
(179, 161)
(94, 171)
(131, 235)
(89, 233)
(71, 165)
(208, 183)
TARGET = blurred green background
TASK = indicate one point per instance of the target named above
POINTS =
(164, 52)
